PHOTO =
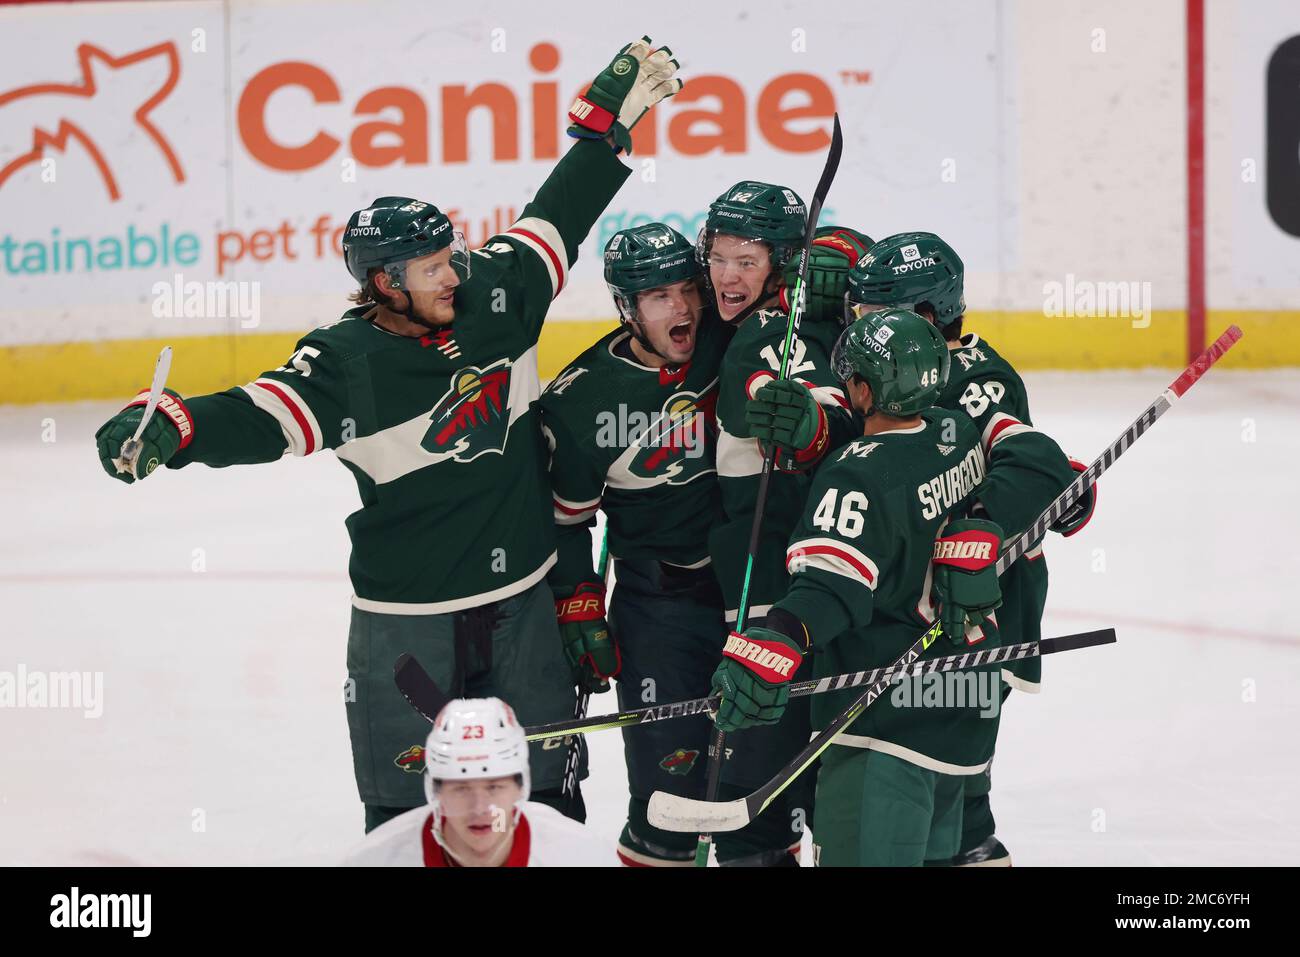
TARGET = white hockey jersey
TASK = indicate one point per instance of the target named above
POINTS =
(543, 838)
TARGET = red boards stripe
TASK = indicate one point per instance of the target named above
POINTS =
(1195, 178)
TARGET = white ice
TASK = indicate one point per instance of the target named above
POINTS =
(223, 737)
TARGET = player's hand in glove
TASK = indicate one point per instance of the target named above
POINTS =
(834, 252)
(754, 678)
(966, 585)
(170, 430)
(784, 413)
(1080, 513)
(588, 643)
(637, 79)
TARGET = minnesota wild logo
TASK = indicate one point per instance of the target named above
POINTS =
(680, 761)
(473, 417)
(676, 448)
(411, 760)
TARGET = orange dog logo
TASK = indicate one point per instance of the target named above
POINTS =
(48, 117)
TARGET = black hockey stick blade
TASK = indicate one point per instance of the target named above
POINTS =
(421, 691)
(1085, 639)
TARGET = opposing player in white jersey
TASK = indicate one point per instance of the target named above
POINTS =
(476, 781)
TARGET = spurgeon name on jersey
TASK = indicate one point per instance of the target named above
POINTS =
(860, 566)
(439, 432)
(640, 443)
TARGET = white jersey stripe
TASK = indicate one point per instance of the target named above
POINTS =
(1000, 426)
(265, 394)
(544, 239)
(832, 555)
(908, 755)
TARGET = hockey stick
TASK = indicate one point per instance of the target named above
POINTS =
(674, 813)
(427, 698)
(569, 790)
(130, 451)
(717, 742)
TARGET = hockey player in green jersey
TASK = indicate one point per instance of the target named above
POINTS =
(426, 393)
(920, 271)
(882, 541)
(748, 247)
(632, 429)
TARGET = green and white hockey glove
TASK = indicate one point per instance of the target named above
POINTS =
(1080, 513)
(637, 79)
(588, 643)
(754, 678)
(966, 585)
(169, 431)
(835, 250)
(784, 413)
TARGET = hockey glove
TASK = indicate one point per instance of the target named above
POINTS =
(588, 643)
(966, 585)
(1080, 513)
(170, 430)
(835, 250)
(623, 92)
(754, 678)
(784, 413)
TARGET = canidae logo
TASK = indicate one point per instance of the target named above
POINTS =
(713, 113)
(107, 109)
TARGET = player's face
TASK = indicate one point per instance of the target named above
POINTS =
(859, 394)
(670, 318)
(431, 283)
(478, 815)
(738, 269)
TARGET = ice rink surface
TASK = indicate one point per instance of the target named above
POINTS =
(215, 603)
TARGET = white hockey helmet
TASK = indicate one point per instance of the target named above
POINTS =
(475, 738)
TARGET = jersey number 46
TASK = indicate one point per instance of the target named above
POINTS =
(849, 521)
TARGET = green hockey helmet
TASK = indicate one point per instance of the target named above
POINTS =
(769, 214)
(909, 271)
(646, 257)
(395, 229)
(900, 355)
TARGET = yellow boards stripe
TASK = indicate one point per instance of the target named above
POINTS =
(117, 369)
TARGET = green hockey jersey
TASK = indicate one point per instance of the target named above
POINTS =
(752, 359)
(440, 432)
(638, 443)
(1026, 471)
(860, 566)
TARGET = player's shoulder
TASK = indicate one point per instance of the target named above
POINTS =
(976, 358)
(395, 842)
(856, 462)
(350, 335)
(952, 428)
(559, 841)
(587, 376)
(761, 326)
